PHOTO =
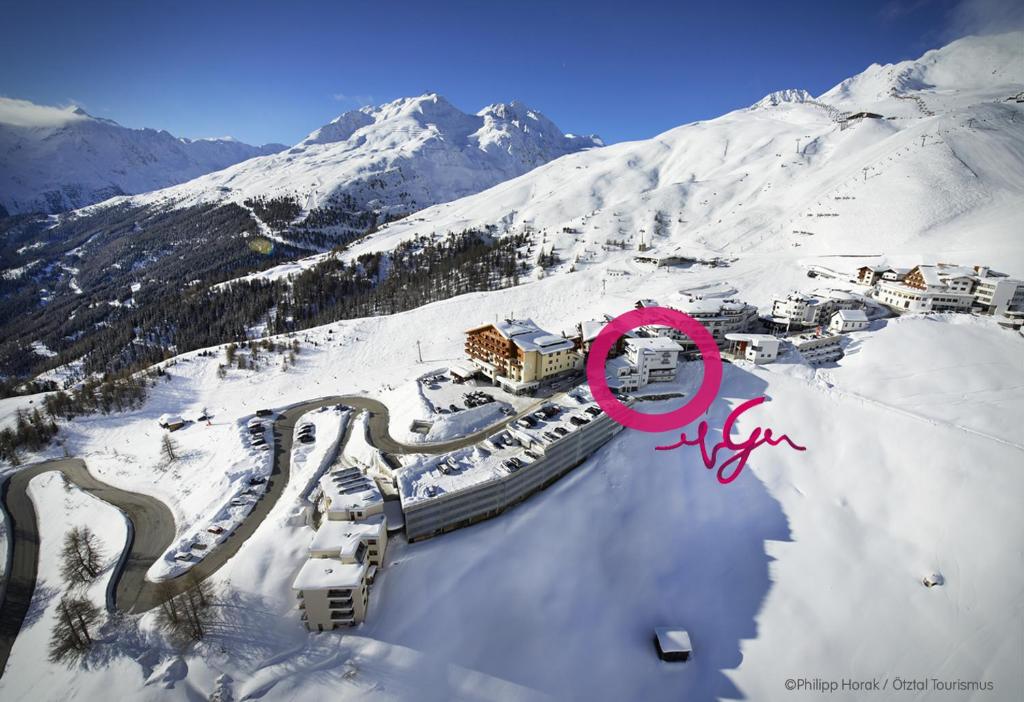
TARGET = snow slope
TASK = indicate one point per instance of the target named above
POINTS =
(556, 599)
(397, 158)
(785, 175)
(54, 159)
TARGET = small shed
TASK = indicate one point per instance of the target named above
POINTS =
(672, 644)
(171, 421)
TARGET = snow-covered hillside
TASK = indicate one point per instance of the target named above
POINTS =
(941, 169)
(393, 158)
(54, 159)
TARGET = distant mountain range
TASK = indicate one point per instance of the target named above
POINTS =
(56, 159)
(392, 159)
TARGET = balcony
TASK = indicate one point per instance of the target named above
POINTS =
(340, 604)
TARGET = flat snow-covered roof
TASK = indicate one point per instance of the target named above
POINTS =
(324, 573)
(654, 343)
(852, 315)
(344, 536)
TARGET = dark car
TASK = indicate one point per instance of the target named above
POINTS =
(264, 413)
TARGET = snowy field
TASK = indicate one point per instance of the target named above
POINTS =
(888, 490)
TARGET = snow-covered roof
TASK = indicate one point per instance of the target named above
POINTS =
(852, 315)
(430, 477)
(673, 640)
(525, 334)
(170, 419)
(343, 537)
(753, 338)
(324, 573)
(654, 343)
(350, 490)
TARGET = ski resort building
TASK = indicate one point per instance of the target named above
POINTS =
(349, 495)
(337, 537)
(517, 354)
(756, 348)
(647, 360)
(869, 275)
(951, 288)
(720, 316)
(333, 584)
(443, 493)
(847, 321)
(802, 311)
(817, 348)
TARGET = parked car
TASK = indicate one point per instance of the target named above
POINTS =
(307, 438)
(215, 529)
(561, 431)
(257, 480)
(264, 413)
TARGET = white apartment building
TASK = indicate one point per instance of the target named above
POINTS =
(756, 348)
(349, 495)
(333, 584)
(720, 316)
(818, 349)
(845, 321)
(335, 537)
(997, 295)
(647, 360)
(332, 592)
(799, 310)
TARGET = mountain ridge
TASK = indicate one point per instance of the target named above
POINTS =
(57, 159)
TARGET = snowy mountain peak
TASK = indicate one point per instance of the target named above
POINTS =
(988, 63)
(397, 157)
(59, 158)
(778, 97)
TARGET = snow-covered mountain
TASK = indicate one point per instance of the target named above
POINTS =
(54, 159)
(940, 168)
(393, 158)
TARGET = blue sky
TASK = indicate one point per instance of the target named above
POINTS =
(275, 71)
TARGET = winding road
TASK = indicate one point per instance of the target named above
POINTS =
(151, 528)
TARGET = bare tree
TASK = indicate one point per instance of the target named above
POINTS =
(81, 555)
(71, 637)
(169, 449)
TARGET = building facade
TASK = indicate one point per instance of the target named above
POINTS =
(647, 360)
(818, 349)
(845, 321)
(518, 355)
(950, 288)
(801, 311)
(720, 316)
(756, 348)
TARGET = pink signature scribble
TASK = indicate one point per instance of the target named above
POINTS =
(742, 450)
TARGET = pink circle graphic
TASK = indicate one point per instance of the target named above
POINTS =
(665, 421)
